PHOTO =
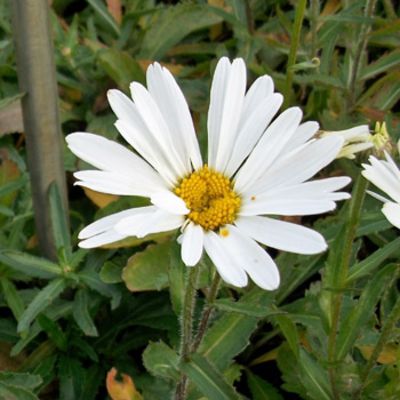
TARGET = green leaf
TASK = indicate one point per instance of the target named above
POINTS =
(20, 379)
(170, 25)
(30, 265)
(251, 310)
(121, 67)
(16, 393)
(103, 13)
(364, 310)
(373, 261)
(315, 378)
(148, 269)
(261, 389)
(160, 360)
(53, 331)
(11, 99)
(12, 297)
(289, 330)
(81, 313)
(59, 222)
(111, 272)
(383, 64)
(176, 274)
(42, 300)
(208, 379)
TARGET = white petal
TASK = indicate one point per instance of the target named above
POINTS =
(107, 155)
(262, 88)
(217, 96)
(175, 111)
(282, 235)
(252, 129)
(251, 257)
(133, 129)
(116, 183)
(382, 176)
(107, 223)
(303, 133)
(378, 196)
(226, 266)
(392, 213)
(154, 222)
(101, 239)
(192, 244)
(268, 148)
(170, 202)
(232, 110)
(301, 164)
(156, 124)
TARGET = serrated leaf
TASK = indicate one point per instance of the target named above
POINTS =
(81, 313)
(170, 25)
(289, 330)
(41, 301)
(160, 360)
(148, 269)
(208, 380)
(30, 265)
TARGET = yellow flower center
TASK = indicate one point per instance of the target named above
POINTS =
(210, 197)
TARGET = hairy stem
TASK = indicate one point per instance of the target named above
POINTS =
(187, 328)
(343, 269)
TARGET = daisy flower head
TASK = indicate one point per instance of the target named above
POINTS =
(385, 175)
(258, 166)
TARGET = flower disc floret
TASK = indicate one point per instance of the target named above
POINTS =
(210, 197)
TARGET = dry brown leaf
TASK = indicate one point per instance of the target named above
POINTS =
(115, 9)
(121, 390)
(100, 199)
(390, 353)
(11, 119)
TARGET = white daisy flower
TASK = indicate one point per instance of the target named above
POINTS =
(255, 170)
(386, 176)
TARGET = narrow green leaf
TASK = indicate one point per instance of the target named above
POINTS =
(315, 378)
(53, 331)
(13, 186)
(373, 261)
(81, 313)
(11, 99)
(289, 330)
(251, 310)
(30, 265)
(170, 25)
(20, 379)
(359, 315)
(148, 269)
(160, 360)
(176, 274)
(383, 64)
(103, 13)
(208, 380)
(12, 297)
(16, 393)
(42, 300)
(261, 389)
(59, 222)
(121, 67)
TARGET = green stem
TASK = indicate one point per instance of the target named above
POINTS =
(187, 328)
(207, 311)
(294, 44)
(315, 9)
(355, 209)
(360, 48)
(387, 330)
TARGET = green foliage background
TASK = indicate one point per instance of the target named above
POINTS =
(330, 332)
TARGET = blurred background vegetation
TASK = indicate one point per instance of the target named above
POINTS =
(65, 323)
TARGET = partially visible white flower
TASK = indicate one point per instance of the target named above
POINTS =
(257, 168)
(385, 175)
(356, 139)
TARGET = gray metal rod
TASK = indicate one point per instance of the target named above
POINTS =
(36, 76)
